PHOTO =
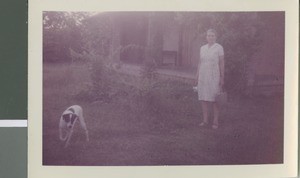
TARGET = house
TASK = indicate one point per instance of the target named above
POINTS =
(146, 29)
(175, 46)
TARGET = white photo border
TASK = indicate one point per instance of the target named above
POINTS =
(288, 169)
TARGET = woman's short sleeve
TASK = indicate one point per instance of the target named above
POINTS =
(221, 51)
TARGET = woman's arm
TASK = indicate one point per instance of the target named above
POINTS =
(197, 76)
(198, 69)
(222, 70)
(198, 66)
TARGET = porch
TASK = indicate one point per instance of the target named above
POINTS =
(262, 85)
(185, 74)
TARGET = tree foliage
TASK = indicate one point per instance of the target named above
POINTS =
(97, 34)
(62, 32)
(72, 35)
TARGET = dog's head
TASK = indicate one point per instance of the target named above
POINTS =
(69, 119)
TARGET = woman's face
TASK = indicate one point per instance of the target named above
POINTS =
(211, 37)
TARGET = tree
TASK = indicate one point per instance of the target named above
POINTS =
(62, 32)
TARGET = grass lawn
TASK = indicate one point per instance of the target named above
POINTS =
(126, 130)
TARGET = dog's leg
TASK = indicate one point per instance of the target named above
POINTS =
(83, 125)
(87, 135)
(62, 125)
(86, 131)
(69, 135)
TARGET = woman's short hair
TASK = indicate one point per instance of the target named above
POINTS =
(212, 31)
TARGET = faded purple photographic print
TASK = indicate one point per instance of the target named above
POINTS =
(163, 88)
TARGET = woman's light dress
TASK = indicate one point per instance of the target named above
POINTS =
(209, 72)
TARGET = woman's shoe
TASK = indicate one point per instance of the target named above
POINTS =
(203, 124)
(215, 126)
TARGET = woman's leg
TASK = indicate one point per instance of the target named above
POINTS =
(205, 111)
(216, 115)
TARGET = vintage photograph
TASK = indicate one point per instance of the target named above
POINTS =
(153, 88)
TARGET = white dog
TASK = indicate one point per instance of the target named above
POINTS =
(67, 122)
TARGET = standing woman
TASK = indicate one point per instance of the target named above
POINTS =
(210, 77)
